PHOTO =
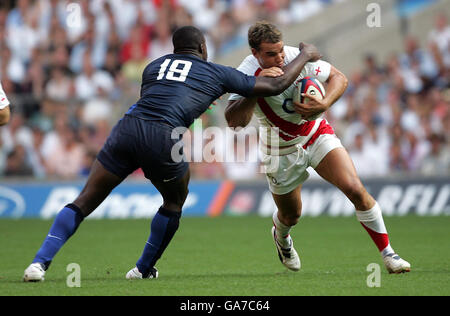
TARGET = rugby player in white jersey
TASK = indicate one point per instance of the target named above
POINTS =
(4, 107)
(296, 140)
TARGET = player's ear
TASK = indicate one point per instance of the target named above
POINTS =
(254, 51)
(204, 51)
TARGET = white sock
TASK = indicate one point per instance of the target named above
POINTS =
(281, 231)
(372, 221)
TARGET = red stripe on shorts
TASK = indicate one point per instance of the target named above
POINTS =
(324, 128)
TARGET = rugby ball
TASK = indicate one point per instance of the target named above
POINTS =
(308, 86)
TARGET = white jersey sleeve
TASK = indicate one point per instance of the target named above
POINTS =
(319, 69)
(3, 99)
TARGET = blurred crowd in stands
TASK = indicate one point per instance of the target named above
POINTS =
(71, 69)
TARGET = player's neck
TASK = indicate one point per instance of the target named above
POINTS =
(189, 52)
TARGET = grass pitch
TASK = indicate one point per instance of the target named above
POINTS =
(231, 256)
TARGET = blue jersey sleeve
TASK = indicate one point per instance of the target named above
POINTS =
(238, 82)
(178, 88)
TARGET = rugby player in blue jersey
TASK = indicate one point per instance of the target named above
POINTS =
(176, 89)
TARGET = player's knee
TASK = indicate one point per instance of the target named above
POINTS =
(176, 202)
(292, 218)
(355, 191)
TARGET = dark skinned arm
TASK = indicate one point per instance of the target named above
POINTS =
(239, 112)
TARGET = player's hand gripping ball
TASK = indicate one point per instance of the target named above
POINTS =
(308, 86)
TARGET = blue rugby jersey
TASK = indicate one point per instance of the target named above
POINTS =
(178, 88)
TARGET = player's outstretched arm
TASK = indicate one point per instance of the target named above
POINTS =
(269, 86)
(4, 115)
(239, 112)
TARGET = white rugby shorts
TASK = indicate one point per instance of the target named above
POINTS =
(285, 173)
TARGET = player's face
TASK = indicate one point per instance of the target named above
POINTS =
(270, 55)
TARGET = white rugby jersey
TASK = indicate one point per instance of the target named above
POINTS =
(3, 99)
(277, 111)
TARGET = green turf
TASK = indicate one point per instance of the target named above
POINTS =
(231, 256)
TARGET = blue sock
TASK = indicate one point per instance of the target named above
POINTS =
(163, 227)
(64, 225)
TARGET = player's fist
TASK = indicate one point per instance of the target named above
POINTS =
(310, 51)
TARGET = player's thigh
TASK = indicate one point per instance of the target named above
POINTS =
(98, 186)
(290, 204)
(174, 192)
(337, 168)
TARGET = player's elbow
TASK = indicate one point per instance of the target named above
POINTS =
(339, 77)
(344, 81)
(229, 118)
(233, 121)
(237, 124)
(4, 116)
(239, 113)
